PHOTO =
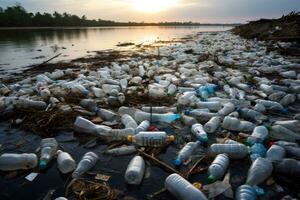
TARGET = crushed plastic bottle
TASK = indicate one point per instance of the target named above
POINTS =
(65, 162)
(128, 121)
(143, 126)
(245, 192)
(87, 162)
(259, 171)
(153, 139)
(83, 125)
(218, 167)
(198, 131)
(212, 125)
(154, 117)
(49, 148)
(12, 161)
(120, 151)
(135, 171)
(228, 108)
(289, 167)
(234, 151)
(182, 189)
(272, 105)
(275, 153)
(234, 124)
(186, 152)
(259, 134)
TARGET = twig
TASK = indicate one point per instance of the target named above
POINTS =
(157, 193)
(49, 59)
(194, 166)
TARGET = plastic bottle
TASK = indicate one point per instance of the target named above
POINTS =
(276, 96)
(257, 150)
(259, 134)
(182, 189)
(252, 115)
(82, 125)
(230, 141)
(106, 114)
(234, 124)
(227, 108)
(120, 151)
(286, 144)
(289, 167)
(213, 124)
(159, 109)
(185, 99)
(65, 162)
(152, 139)
(89, 104)
(275, 153)
(188, 120)
(61, 198)
(293, 125)
(172, 89)
(186, 152)
(245, 192)
(211, 105)
(234, 151)
(48, 147)
(272, 105)
(293, 151)
(168, 117)
(198, 131)
(288, 99)
(135, 171)
(120, 134)
(259, 108)
(266, 88)
(87, 162)
(143, 126)
(281, 133)
(26, 104)
(12, 161)
(202, 116)
(218, 167)
(259, 171)
(203, 93)
(128, 121)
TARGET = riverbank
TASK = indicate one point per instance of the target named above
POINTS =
(166, 73)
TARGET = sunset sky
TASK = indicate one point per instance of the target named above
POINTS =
(205, 11)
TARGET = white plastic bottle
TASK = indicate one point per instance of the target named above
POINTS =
(275, 153)
(48, 147)
(281, 133)
(12, 161)
(128, 121)
(65, 162)
(234, 124)
(234, 151)
(153, 139)
(198, 131)
(186, 152)
(245, 192)
(83, 125)
(143, 126)
(120, 151)
(259, 171)
(218, 167)
(227, 108)
(182, 189)
(259, 134)
(154, 117)
(212, 125)
(87, 162)
(135, 171)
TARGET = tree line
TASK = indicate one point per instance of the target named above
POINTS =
(17, 16)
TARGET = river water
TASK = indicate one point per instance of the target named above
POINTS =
(23, 47)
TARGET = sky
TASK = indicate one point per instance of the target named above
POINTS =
(204, 11)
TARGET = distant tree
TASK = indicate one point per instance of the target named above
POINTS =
(1, 10)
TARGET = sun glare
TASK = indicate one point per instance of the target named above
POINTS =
(152, 6)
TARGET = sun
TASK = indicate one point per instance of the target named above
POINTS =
(153, 6)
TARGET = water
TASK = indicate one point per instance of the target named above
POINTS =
(24, 47)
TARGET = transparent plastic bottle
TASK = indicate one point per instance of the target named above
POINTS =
(234, 151)
(152, 139)
(172, 89)
(213, 124)
(120, 151)
(259, 171)
(186, 152)
(159, 109)
(87, 162)
(182, 189)
(89, 104)
(188, 120)
(286, 144)
(259, 108)
(128, 121)
(12, 161)
(281, 133)
(293, 125)
(288, 99)
(143, 126)
(107, 115)
(252, 115)
(120, 134)
(83, 125)
(227, 108)
(218, 167)
(135, 171)
(230, 141)
(167, 117)
(203, 93)
(48, 147)
(26, 103)
(289, 167)
(65, 162)
(202, 116)
(293, 151)
(245, 192)
(198, 131)
(257, 150)
(259, 134)
(234, 124)
(272, 105)
(211, 105)
(61, 198)
(275, 153)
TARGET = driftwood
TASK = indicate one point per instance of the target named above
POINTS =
(48, 60)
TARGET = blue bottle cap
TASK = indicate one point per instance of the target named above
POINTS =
(187, 112)
(42, 164)
(177, 162)
(284, 110)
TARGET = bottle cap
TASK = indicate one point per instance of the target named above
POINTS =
(171, 138)
(204, 139)
(42, 164)
(211, 179)
(177, 162)
(187, 112)
(249, 141)
(285, 110)
(130, 138)
(197, 185)
(269, 127)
